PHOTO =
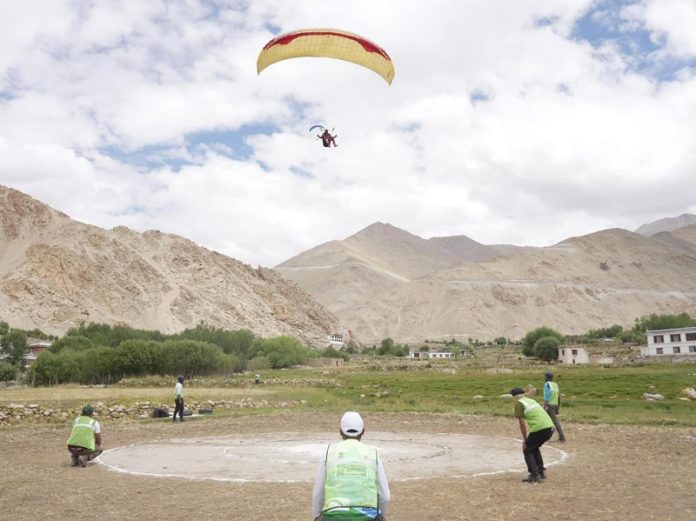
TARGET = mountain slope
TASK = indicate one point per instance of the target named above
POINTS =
(586, 282)
(56, 273)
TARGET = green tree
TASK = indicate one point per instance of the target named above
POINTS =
(531, 338)
(546, 348)
(4, 328)
(663, 322)
(14, 347)
(501, 341)
(76, 343)
(386, 347)
(281, 351)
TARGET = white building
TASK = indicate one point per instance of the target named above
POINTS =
(677, 341)
(415, 353)
(580, 355)
(335, 340)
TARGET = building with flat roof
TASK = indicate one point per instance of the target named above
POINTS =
(676, 341)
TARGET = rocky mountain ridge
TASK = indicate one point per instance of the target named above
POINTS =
(56, 273)
(604, 278)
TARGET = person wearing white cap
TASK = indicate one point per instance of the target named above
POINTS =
(350, 484)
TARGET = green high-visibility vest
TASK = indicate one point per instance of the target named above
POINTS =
(351, 480)
(82, 434)
(553, 393)
(535, 415)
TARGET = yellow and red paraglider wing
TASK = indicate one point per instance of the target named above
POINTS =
(328, 43)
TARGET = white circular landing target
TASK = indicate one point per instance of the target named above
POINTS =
(289, 457)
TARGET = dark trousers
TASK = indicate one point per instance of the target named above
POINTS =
(553, 413)
(532, 452)
(80, 455)
(178, 407)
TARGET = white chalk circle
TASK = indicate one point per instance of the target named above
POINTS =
(293, 457)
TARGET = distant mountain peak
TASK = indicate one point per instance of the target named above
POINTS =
(667, 224)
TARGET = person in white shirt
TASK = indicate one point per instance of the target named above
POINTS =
(179, 399)
(350, 483)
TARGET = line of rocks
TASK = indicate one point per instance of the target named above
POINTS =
(17, 413)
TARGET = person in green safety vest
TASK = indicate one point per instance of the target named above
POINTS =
(529, 413)
(85, 439)
(552, 403)
(350, 483)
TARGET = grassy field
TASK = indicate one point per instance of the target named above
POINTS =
(590, 394)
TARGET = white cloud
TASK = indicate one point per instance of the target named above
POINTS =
(565, 141)
(673, 21)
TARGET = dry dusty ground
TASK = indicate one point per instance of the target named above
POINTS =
(613, 473)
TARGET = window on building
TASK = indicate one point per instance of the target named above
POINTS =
(574, 352)
(675, 338)
(676, 349)
(691, 337)
(692, 349)
(658, 339)
(562, 352)
(659, 350)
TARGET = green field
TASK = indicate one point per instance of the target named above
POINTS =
(590, 394)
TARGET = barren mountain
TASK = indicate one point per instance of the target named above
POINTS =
(667, 225)
(601, 279)
(56, 272)
(383, 248)
(682, 240)
(468, 250)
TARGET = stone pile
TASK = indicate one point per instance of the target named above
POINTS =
(16, 413)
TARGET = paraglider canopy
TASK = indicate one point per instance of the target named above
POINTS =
(320, 127)
(328, 43)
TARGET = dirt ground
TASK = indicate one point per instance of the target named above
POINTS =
(611, 473)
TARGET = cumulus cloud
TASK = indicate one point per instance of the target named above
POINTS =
(504, 122)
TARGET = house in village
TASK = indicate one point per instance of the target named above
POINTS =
(572, 355)
(34, 349)
(432, 353)
(672, 342)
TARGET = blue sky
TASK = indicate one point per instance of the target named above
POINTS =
(558, 119)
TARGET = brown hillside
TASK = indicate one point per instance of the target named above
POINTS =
(56, 273)
(582, 283)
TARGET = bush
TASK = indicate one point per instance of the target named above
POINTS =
(281, 351)
(259, 363)
(7, 372)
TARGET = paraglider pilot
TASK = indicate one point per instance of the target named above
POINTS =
(327, 139)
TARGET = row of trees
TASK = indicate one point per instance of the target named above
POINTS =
(100, 353)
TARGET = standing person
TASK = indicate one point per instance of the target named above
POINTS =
(85, 439)
(350, 484)
(179, 399)
(552, 403)
(529, 412)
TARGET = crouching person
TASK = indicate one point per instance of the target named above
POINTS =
(85, 440)
(350, 484)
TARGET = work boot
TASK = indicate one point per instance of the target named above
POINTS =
(542, 475)
(82, 460)
(532, 478)
(73, 460)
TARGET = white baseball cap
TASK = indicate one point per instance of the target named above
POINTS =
(352, 424)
